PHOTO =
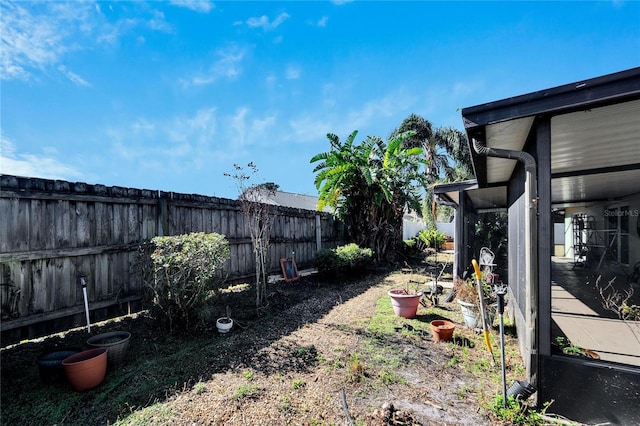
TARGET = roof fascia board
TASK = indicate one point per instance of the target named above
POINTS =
(465, 185)
(612, 88)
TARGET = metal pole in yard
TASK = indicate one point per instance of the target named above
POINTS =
(501, 290)
(83, 281)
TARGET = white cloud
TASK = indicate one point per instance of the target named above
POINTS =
(228, 65)
(314, 125)
(158, 23)
(293, 72)
(271, 80)
(75, 78)
(308, 127)
(28, 42)
(322, 22)
(44, 165)
(245, 130)
(200, 6)
(192, 142)
(201, 128)
(264, 23)
(38, 36)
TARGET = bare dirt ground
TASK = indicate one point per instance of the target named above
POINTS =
(286, 385)
(293, 366)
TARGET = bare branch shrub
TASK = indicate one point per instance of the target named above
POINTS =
(618, 302)
(257, 213)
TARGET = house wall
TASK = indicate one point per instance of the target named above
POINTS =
(517, 265)
(53, 232)
(559, 230)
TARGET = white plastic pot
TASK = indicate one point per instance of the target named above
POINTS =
(224, 325)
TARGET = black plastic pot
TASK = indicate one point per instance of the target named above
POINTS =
(520, 390)
(50, 365)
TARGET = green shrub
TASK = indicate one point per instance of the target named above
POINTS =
(430, 238)
(185, 269)
(410, 248)
(347, 260)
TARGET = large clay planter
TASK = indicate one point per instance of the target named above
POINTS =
(405, 305)
(116, 343)
(87, 369)
(442, 330)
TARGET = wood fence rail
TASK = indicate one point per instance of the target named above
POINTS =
(53, 232)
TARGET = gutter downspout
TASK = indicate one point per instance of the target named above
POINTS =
(531, 242)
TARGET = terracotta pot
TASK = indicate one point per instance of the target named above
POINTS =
(590, 354)
(224, 325)
(87, 369)
(116, 343)
(442, 330)
(405, 305)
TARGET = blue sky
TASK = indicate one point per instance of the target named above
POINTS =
(169, 95)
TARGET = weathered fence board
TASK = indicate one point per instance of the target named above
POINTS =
(54, 232)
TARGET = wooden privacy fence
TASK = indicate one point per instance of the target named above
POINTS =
(52, 233)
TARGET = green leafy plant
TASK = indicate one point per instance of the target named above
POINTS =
(246, 391)
(347, 260)
(298, 383)
(199, 388)
(356, 368)
(567, 347)
(430, 238)
(369, 185)
(185, 269)
(516, 412)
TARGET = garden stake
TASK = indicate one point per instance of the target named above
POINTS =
(485, 327)
(501, 290)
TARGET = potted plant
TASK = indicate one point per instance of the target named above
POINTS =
(225, 324)
(442, 330)
(448, 243)
(405, 301)
(567, 348)
(467, 295)
(50, 364)
(86, 370)
(116, 343)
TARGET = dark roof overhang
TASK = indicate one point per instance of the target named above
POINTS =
(595, 136)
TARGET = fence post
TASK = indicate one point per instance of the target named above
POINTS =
(318, 233)
(163, 216)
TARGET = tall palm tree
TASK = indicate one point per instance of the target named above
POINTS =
(445, 150)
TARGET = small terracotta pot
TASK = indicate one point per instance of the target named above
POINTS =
(442, 330)
(87, 369)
